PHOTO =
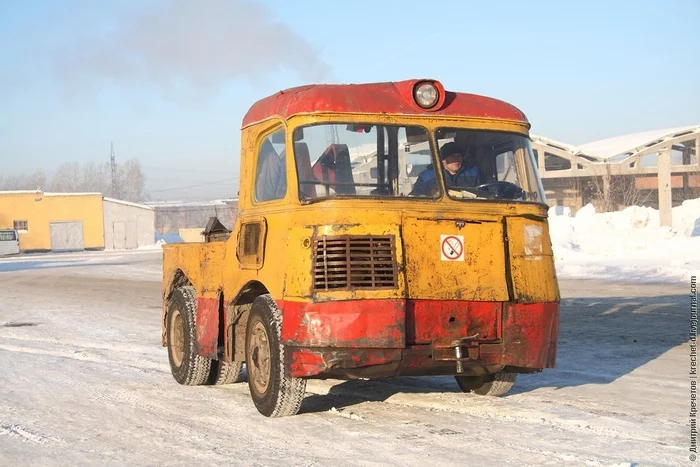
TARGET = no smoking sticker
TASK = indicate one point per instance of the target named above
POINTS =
(452, 247)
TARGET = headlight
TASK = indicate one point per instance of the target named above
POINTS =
(426, 94)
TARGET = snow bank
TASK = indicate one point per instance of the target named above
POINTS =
(628, 244)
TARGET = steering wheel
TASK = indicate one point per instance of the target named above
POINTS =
(501, 190)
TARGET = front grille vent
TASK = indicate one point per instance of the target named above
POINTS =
(354, 262)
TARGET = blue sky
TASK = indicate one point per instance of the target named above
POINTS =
(169, 81)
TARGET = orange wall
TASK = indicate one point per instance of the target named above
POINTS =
(39, 209)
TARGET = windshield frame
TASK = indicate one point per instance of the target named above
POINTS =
(430, 124)
(527, 180)
(393, 145)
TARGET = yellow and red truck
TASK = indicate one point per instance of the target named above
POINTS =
(359, 253)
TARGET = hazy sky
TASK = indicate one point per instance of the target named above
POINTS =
(170, 81)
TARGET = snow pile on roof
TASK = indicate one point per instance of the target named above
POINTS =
(609, 148)
(126, 203)
(628, 244)
(176, 203)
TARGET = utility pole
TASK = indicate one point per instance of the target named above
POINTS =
(114, 170)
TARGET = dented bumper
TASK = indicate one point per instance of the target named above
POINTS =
(396, 336)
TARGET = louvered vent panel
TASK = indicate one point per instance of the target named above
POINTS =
(354, 262)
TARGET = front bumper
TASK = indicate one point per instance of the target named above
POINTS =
(375, 338)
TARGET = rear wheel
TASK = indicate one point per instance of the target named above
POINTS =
(187, 367)
(225, 372)
(496, 384)
(274, 394)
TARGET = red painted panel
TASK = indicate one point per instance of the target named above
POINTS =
(429, 321)
(351, 323)
(207, 324)
(530, 334)
(381, 98)
(304, 362)
(361, 333)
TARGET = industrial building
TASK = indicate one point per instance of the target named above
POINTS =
(75, 221)
(658, 168)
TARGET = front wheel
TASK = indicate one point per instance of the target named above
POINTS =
(496, 384)
(274, 394)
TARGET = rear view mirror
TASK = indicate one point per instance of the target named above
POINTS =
(359, 128)
(277, 137)
(416, 134)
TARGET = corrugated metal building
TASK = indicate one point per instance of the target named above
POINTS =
(127, 225)
(75, 221)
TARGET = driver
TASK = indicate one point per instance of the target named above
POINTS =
(470, 169)
(457, 175)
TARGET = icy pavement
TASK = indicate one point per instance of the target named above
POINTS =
(85, 382)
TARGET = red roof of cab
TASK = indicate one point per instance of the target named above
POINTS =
(380, 98)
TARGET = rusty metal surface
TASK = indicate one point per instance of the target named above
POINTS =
(207, 324)
(530, 334)
(348, 323)
(377, 98)
(362, 333)
(443, 321)
(352, 262)
(305, 362)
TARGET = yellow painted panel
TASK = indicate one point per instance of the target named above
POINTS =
(447, 260)
(532, 262)
(40, 209)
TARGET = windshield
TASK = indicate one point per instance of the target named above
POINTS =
(360, 160)
(482, 165)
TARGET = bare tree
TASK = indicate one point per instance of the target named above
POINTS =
(90, 177)
(67, 178)
(131, 180)
(611, 192)
(95, 178)
(35, 181)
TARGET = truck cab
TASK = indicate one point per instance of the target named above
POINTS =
(384, 229)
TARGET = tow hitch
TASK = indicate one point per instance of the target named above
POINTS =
(460, 350)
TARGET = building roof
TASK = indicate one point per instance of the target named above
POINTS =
(34, 192)
(379, 98)
(178, 203)
(608, 148)
(620, 146)
(127, 203)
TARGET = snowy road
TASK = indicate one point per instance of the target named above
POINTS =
(84, 381)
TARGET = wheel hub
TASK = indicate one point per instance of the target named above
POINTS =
(259, 352)
(177, 337)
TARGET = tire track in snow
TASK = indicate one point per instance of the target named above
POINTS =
(142, 366)
(18, 431)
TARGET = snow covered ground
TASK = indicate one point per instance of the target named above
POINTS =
(628, 245)
(84, 381)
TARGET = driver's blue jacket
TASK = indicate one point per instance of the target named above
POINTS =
(466, 177)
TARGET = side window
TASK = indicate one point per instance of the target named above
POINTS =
(271, 171)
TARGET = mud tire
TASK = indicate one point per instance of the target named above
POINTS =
(187, 367)
(225, 372)
(490, 385)
(273, 393)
